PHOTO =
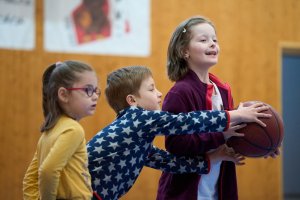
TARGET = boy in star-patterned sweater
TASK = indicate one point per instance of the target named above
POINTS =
(118, 153)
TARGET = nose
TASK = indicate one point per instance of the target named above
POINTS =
(159, 94)
(96, 95)
(212, 43)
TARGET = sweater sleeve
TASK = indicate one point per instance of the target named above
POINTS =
(155, 123)
(49, 172)
(190, 144)
(164, 161)
(30, 182)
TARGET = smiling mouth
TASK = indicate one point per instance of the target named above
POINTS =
(211, 53)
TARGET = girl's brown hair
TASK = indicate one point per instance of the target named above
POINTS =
(176, 64)
(62, 74)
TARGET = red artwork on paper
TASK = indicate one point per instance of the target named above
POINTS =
(91, 20)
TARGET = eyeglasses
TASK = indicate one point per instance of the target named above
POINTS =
(89, 90)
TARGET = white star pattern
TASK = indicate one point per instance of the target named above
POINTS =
(111, 167)
(180, 118)
(128, 140)
(98, 149)
(100, 140)
(136, 172)
(220, 128)
(96, 181)
(222, 116)
(127, 130)
(171, 164)
(149, 121)
(133, 161)
(114, 189)
(182, 169)
(172, 131)
(104, 192)
(118, 153)
(184, 127)
(119, 177)
(113, 127)
(136, 123)
(112, 135)
(107, 178)
(122, 163)
(204, 115)
(140, 133)
(203, 127)
(124, 121)
(113, 145)
(213, 120)
(196, 121)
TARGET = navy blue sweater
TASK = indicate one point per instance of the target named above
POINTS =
(118, 153)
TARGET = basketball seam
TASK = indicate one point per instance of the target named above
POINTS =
(258, 146)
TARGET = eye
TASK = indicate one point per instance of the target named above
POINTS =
(98, 91)
(89, 90)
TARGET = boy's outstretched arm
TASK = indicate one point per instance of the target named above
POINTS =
(167, 162)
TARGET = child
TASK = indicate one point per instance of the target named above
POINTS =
(118, 153)
(59, 167)
(192, 51)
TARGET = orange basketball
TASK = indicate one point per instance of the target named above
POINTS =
(259, 141)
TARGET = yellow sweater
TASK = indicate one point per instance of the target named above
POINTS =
(59, 167)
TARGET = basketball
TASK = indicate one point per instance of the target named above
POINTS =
(259, 141)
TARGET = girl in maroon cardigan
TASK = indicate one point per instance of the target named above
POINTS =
(192, 51)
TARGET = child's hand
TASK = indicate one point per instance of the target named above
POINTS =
(250, 113)
(227, 154)
(231, 131)
(273, 154)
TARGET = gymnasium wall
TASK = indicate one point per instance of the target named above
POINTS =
(250, 33)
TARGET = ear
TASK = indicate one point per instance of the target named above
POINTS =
(130, 99)
(63, 94)
(185, 54)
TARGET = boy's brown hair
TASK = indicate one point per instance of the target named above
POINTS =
(122, 82)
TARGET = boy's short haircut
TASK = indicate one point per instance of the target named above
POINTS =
(122, 82)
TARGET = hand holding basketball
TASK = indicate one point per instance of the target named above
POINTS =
(250, 113)
(225, 153)
(232, 131)
(260, 141)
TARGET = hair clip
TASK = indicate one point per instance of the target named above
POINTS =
(184, 30)
(58, 63)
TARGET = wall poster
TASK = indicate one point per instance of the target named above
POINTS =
(110, 27)
(17, 24)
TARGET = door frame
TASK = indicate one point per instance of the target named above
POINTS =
(288, 48)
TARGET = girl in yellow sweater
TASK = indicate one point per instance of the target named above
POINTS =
(59, 166)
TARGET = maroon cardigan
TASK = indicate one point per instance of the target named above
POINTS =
(190, 94)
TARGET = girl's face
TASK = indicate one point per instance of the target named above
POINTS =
(79, 104)
(149, 97)
(203, 48)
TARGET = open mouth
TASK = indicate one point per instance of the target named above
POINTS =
(211, 53)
